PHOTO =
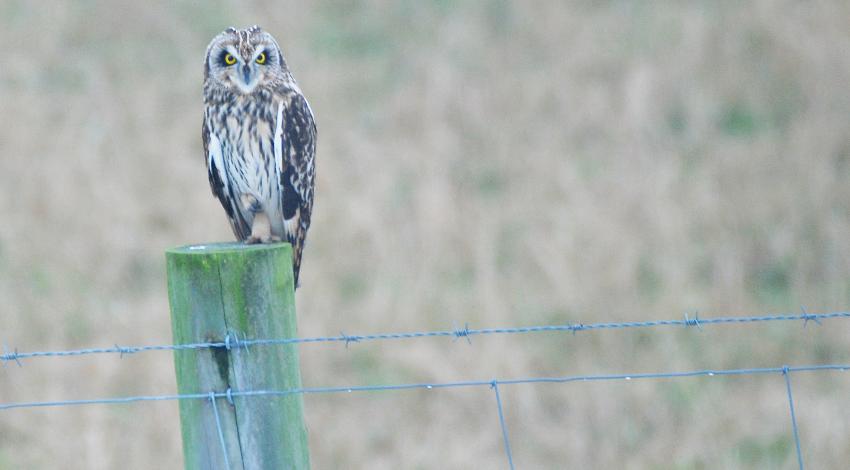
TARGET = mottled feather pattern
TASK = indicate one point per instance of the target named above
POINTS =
(260, 144)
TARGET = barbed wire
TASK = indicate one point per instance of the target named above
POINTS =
(231, 340)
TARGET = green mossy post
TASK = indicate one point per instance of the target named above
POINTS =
(247, 291)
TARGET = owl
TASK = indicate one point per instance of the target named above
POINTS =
(259, 139)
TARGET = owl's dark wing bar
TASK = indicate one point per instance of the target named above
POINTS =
(299, 137)
(220, 189)
(298, 174)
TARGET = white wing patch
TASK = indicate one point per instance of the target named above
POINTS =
(278, 133)
(291, 225)
(216, 159)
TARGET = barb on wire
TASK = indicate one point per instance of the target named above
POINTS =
(121, 351)
(231, 339)
(463, 333)
(807, 317)
(694, 322)
(348, 339)
(13, 356)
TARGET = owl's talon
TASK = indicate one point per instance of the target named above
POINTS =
(253, 240)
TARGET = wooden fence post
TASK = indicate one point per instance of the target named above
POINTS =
(246, 291)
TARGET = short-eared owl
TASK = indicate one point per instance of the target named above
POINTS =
(259, 139)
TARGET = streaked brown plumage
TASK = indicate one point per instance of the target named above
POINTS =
(259, 140)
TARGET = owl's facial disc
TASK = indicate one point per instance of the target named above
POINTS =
(243, 61)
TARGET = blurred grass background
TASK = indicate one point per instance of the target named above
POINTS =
(492, 162)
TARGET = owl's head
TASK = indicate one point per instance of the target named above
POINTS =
(242, 59)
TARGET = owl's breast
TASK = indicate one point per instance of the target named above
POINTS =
(247, 138)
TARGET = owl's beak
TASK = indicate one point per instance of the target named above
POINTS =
(245, 79)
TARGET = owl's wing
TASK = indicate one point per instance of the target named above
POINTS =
(219, 182)
(297, 172)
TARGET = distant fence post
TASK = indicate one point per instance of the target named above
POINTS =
(246, 292)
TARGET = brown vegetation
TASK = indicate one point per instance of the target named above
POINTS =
(497, 163)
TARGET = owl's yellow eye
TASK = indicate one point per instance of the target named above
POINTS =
(261, 59)
(229, 59)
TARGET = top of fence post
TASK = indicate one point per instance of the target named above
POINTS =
(223, 293)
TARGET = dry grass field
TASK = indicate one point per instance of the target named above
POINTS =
(486, 162)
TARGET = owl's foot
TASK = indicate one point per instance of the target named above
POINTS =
(261, 230)
(252, 240)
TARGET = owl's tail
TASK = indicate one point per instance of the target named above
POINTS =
(297, 249)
